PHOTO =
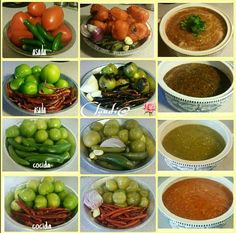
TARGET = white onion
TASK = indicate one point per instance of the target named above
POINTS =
(84, 31)
(91, 27)
(112, 142)
(93, 199)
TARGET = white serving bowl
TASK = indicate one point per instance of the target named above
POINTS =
(65, 166)
(92, 221)
(21, 111)
(20, 51)
(84, 153)
(177, 51)
(143, 45)
(181, 164)
(21, 227)
(194, 104)
(178, 222)
(95, 105)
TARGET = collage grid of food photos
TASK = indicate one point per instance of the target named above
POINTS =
(118, 116)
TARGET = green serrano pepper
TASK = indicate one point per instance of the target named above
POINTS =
(135, 156)
(25, 154)
(109, 165)
(72, 141)
(117, 159)
(45, 158)
(34, 30)
(31, 42)
(16, 158)
(57, 41)
(44, 33)
(55, 149)
(66, 155)
(109, 149)
(13, 143)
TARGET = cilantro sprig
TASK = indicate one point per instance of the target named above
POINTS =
(193, 24)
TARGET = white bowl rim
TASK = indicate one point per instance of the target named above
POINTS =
(171, 180)
(166, 88)
(217, 158)
(97, 225)
(24, 168)
(106, 170)
(215, 49)
(53, 228)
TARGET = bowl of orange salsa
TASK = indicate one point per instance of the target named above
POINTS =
(196, 202)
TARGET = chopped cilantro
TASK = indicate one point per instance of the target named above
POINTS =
(193, 24)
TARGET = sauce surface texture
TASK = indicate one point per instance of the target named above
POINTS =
(197, 80)
(197, 199)
(213, 34)
(193, 142)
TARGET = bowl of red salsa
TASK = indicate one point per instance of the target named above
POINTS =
(196, 202)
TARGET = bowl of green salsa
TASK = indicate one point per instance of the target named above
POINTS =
(194, 144)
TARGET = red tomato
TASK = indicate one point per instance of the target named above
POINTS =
(66, 33)
(36, 8)
(52, 18)
(35, 20)
(17, 21)
(29, 16)
(16, 35)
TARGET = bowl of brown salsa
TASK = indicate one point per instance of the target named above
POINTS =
(196, 86)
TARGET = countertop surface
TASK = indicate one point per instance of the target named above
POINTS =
(86, 226)
(9, 165)
(86, 168)
(68, 68)
(70, 15)
(86, 66)
(11, 182)
(86, 52)
(227, 8)
(163, 221)
(224, 165)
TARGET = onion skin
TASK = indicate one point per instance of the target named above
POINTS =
(93, 199)
(97, 35)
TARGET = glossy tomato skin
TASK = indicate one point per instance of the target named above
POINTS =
(35, 20)
(36, 8)
(17, 21)
(16, 35)
(52, 18)
(66, 33)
